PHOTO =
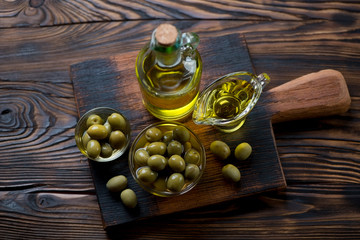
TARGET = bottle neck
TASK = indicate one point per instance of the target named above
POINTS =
(166, 56)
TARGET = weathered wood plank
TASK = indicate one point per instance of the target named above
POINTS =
(24, 13)
(274, 46)
(38, 214)
(305, 211)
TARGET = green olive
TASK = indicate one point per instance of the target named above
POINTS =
(160, 184)
(117, 122)
(168, 137)
(146, 144)
(128, 197)
(97, 131)
(141, 157)
(117, 183)
(220, 149)
(181, 134)
(174, 147)
(106, 150)
(192, 171)
(85, 139)
(145, 174)
(187, 146)
(175, 182)
(176, 163)
(243, 151)
(156, 148)
(156, 162)
(153, 134)
(94, 119)
(117, 139)
(108, 128)
(230, 172)
(192, 156)
(93, 148)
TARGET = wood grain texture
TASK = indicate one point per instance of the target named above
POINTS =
(269, 216)
(24, 13)
(31, 52)
(320, 157)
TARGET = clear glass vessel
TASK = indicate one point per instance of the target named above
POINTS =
(227, 101)
(160, 189)
(169, 69)
(81, 128)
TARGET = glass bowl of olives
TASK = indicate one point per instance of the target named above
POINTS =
(167, 159)
(102, 134)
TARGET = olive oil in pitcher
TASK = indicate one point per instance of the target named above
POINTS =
(227, 101)
(169, 69)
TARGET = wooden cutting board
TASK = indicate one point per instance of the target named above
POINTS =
(112, 82)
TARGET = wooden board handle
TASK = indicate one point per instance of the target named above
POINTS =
(313, 95)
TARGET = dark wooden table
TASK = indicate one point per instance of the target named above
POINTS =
(46, 189)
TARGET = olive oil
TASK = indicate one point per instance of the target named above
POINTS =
(227, 101)
(169, 77)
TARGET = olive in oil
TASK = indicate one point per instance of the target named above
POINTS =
(169, 77)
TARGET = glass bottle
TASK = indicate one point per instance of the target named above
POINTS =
(169, 69)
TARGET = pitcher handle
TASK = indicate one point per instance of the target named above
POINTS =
(190, 39)
(264, 79)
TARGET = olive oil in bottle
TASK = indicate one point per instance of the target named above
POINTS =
(169, 69)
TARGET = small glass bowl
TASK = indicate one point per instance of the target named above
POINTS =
(104, 113)
(140, 141)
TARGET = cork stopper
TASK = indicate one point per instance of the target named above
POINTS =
(166, 34)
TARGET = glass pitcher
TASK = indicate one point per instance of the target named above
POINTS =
(227, 101)
(169, 69)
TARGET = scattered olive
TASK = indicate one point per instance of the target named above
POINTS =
(128, 197)
(175, 182)
(117, 183)
(231, 172)
(220, 149)
(93, 148)
(243, 151)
